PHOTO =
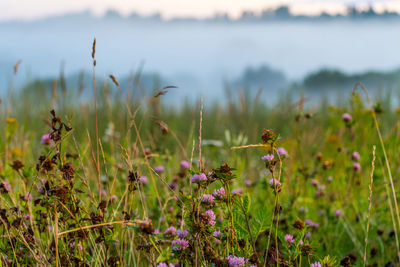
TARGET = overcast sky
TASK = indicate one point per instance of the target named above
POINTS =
(30, 9)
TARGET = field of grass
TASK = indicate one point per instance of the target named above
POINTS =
(133, 181)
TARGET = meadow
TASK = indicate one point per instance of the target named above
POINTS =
(125, 179)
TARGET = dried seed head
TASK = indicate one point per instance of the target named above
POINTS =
(306, 250)
(298, 223)
(16, 66)
(114, 80)
(268, 136)
(17, 165)
(94, 49)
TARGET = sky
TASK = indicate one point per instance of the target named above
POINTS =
(33, 9)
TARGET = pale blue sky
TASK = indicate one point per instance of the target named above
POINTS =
(29, 9)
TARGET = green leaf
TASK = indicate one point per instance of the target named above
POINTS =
(246, 203)
(136, 229)
(260, 222)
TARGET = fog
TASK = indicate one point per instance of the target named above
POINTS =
(196, 56)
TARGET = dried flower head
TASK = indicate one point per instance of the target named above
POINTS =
(268, 136)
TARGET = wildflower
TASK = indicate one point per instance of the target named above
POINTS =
(217, 233)
(268, 157)
(237, 191)
(234, 261)
(268, 136)
(299, 224)
(219, 193)
(355, 156)
(72, 246)
(209, 217)
(314, 182)
(184, 165)
(179, 244)
(330, 179)
(5, 187)
(274, 182)
(356, 166)
(306, 250)
(347, 117)
(159, 169)
(339, 213)
(217, 241)
(182, 233)
(282, 152)
(289, 238)
(143, 180)
(172, 185)
(248, 183)
(146, 226)
(199, 177)
(27, 197)
(207, 198)
(114, 198)
(170, 231)
(302, 209)
(316, 264)
(162, 264)
(311, 223)
(46, 140)
(147, 151)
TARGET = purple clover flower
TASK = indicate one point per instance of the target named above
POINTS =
(282, 152)
(46, 140)
(207, 198)
(347, 117)
(219, 193)
(356, 166)
(143, 180)
(172, 185)
(274, 182)
(72, 246)
(209, 217)
(182, 233)
(6, 186)
(355, 156)
(179, 244)
(268, 157)
(237, 191)
(311, 223)
(339, 213)
(234, 261)
(289, 238)
(217, 233)
(184, 165)
(159, 169)
(171, 231)
(199, 177)
(316, 264)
